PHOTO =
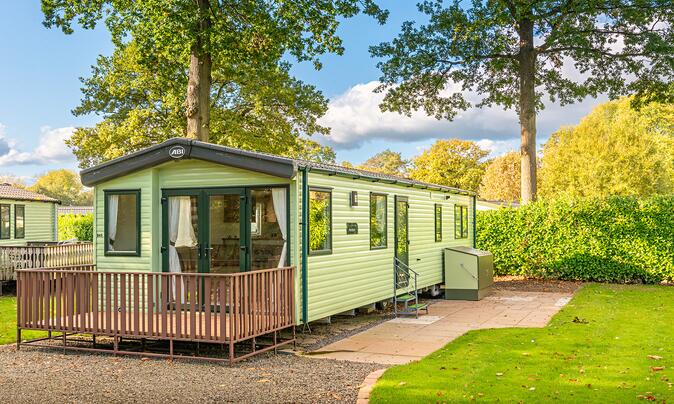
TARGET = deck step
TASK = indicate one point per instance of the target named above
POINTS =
(405, 298)
(418, 306)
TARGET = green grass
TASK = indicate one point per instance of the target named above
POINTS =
(602, 356)
(8, 322)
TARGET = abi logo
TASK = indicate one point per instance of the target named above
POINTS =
(176, 152)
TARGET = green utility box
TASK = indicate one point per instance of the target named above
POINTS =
(469, 273)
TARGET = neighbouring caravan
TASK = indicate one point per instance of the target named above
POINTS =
(26, 217)
(189, 206)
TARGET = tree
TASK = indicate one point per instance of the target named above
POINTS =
(511, 53)
(212, 70)
(313, 151)
(12, 180)
(501, 180)
(386, 162)
(615, 150)
(63, 185)
(453, 162)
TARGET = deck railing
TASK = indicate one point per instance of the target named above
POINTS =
(218, 308)
(21, 257)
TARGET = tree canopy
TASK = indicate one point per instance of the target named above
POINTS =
(501, 180)
(386, 162)
(615, 150)
(63, 185)
(240, 92)
(514, 53)
(453, 162)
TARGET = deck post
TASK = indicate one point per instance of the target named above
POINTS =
(94, 340)
(231, 352)
(64, 342)
(115, 343)
(18, 338)
(171, 348)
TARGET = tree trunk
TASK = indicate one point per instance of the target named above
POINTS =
(527, 111)
(198, 102)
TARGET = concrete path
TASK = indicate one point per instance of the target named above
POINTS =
(403, 340)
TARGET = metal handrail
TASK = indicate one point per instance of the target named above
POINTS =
(397, 265)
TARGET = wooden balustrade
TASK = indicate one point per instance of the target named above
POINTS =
(218, 308)
(52, 256)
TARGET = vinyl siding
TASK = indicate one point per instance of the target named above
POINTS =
(40, 222)
(354, 275)
(177, 174)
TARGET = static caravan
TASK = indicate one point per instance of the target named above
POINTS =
(26, 216)
(199, 242)
(189, 206)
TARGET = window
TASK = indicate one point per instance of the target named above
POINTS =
(4, 221)
(377, 221)
(460, 221)
(438, 222)
(122, 223)
(320, 221)
(19, 221)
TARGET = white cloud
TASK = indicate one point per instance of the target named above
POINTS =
(355, 118)
(499, 147)
(51, 148)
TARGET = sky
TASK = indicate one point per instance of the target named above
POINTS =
(39, 86)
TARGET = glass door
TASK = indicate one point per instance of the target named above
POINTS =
(225, 248)
(224, 230)
(402, 241)
(181, 244)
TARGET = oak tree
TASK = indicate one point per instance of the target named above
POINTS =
(176, 61)
(512, 53)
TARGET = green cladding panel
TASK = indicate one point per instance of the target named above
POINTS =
(354, 275)
(40, 221)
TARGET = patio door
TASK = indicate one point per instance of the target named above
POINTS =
(224, 230)
(204, 230)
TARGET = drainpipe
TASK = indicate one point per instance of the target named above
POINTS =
(474, 221)
(305, 242)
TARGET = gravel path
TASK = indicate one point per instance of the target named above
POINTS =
(35, 375)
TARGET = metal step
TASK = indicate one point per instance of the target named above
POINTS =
(405, 298)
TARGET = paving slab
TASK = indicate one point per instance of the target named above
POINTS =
(404, 340)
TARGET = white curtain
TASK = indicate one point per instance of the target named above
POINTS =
(181, 233)
(113, 207)
(280, 209)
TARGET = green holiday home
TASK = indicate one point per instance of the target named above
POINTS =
(260, 242)
(26, 216)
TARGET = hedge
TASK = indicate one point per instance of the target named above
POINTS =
(72, 226)
(617, 239)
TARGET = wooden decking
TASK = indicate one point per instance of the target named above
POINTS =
(209, 308)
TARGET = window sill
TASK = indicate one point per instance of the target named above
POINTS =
(319, 253)
(122, 254)
(383, 247)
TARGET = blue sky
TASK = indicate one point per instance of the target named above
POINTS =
(39, 87)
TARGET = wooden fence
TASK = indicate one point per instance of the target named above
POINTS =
(51, 256)
(216, 308)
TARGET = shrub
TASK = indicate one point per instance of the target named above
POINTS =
(80, 227)
(616, 239)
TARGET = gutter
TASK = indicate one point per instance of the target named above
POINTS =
(305, 242)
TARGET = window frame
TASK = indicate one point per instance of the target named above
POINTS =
(328, 191)
(9, 220)
(106, 194)
(437, 216)
(23, 229)
(374, 194)
(459, 232)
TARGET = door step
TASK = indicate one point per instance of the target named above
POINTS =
(405, 298)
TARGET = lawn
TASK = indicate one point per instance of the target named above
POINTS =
(611, 343)
(8, 322)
